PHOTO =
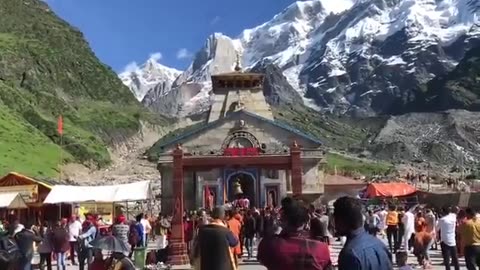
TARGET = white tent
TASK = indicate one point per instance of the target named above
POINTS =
(137, 191)
(12, 201)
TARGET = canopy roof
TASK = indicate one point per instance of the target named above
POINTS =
(137, 191)
(12, 201)
(397, 189)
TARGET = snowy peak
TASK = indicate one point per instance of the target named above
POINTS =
(289, 33)
(362, 57)
(140, 79)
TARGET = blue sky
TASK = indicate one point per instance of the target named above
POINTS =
(125, 31)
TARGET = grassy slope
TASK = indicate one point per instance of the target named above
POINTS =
(23, 148)
(349, 166)
(47, 69)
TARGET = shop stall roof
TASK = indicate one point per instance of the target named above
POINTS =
(137, 191)
(397, 189)
(14, 178)
(12, 201)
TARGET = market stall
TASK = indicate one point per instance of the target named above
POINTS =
(99, 200)
(12, 201)
(137, 191)
(390, 190)
(33, 192)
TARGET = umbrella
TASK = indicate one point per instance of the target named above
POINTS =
(110, 243)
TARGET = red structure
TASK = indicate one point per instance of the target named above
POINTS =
(183, 161)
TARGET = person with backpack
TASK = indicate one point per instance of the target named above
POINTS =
(24, 238)
(86, 253)
(9, 253)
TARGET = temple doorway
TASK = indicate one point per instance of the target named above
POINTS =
(241, 185)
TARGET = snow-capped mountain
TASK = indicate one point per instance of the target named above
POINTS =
(362, 57)
(140, 79)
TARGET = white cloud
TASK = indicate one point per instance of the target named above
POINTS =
(215, 20)
(183, 53)
(131, 67)
(156, 56)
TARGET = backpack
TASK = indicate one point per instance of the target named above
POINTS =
(9, 253)
(133, 237)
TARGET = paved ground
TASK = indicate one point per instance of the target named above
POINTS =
(335, 250)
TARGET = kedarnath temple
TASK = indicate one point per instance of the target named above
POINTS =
(239, 150)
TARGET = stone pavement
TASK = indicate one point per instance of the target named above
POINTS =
(335, 250)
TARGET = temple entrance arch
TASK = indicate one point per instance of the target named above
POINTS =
(248, 186)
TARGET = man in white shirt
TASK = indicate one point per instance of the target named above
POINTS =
(74, 230)
(408, 221)
(382, 225)
(446, 227)
(147, 228)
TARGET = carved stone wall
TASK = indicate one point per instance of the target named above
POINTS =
(275, 139)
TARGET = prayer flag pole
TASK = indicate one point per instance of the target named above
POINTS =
(60, 132)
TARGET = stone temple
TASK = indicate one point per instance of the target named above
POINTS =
(239, 152)
(240, 143)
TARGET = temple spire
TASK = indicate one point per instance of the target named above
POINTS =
(238, 67)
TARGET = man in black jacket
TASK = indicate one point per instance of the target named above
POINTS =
(25, 238)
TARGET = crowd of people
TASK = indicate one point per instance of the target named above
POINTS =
(292, 236)
(420, 230)
(298, 237)
(71, 239)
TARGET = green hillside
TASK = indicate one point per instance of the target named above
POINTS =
(47, 69)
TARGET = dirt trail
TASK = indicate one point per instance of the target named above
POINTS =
(128, 164)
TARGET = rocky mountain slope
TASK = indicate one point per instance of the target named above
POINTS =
(459, 88)
(362, 58)
(47, 69)
(389, 64)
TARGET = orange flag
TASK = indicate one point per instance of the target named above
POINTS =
(60, 125)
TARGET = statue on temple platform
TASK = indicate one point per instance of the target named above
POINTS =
(271, 199)
(237, 187)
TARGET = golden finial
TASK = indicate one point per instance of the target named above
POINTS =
(238, 67)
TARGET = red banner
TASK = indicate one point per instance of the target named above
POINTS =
(251, 151)
(60, 125)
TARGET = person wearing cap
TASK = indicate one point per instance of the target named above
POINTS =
(24, 238)
(120, 229)
(74, 230)
(212, 246)
(88, 235)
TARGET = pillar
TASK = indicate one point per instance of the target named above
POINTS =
(178, 248)
(296, 168)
